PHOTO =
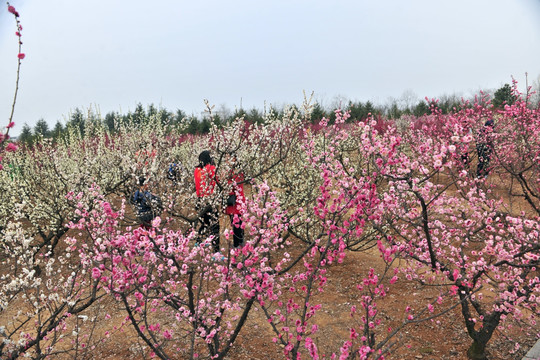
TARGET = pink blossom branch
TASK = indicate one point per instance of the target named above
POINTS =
(20, 57)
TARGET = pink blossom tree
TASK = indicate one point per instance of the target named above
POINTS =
(4, 135)
(517, 149)
(461, 229)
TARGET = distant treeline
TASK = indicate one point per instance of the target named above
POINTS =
(191, 124)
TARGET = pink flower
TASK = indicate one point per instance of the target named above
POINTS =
(456, 274)
(21, 56)
(11, 147)
(96, 273)
(12, 10)
(10, 125)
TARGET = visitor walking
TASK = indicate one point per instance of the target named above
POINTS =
(205, 182)
(147, 205)
(234, 200)
(484, 148)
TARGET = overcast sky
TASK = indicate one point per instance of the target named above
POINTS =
(173, 53)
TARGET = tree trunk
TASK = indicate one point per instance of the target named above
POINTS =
(477, 351)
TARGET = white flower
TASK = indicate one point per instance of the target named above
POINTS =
(467, 138)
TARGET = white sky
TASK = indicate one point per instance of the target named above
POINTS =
(113, 54)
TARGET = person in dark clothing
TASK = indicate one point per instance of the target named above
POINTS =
(147, 205)
(175, 172)
(484, 148)
(235, 198)
(205, 182)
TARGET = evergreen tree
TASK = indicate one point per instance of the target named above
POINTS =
(254, 116)
(369, 108)
(139, 114)
(317, 113)
(110, 120)
(238, 113)
(165, 117)
(503, 95)
(205, 126)
(357, 111)
(179, 116)
(193, 127)
(42, 128)
(422, 108)
(26, 135)
(151, 111)
(58, 130)
(77, 121)
(93, 122)
(394, 112)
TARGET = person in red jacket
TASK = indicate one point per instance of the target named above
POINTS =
(205, 183)
(234, 200)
